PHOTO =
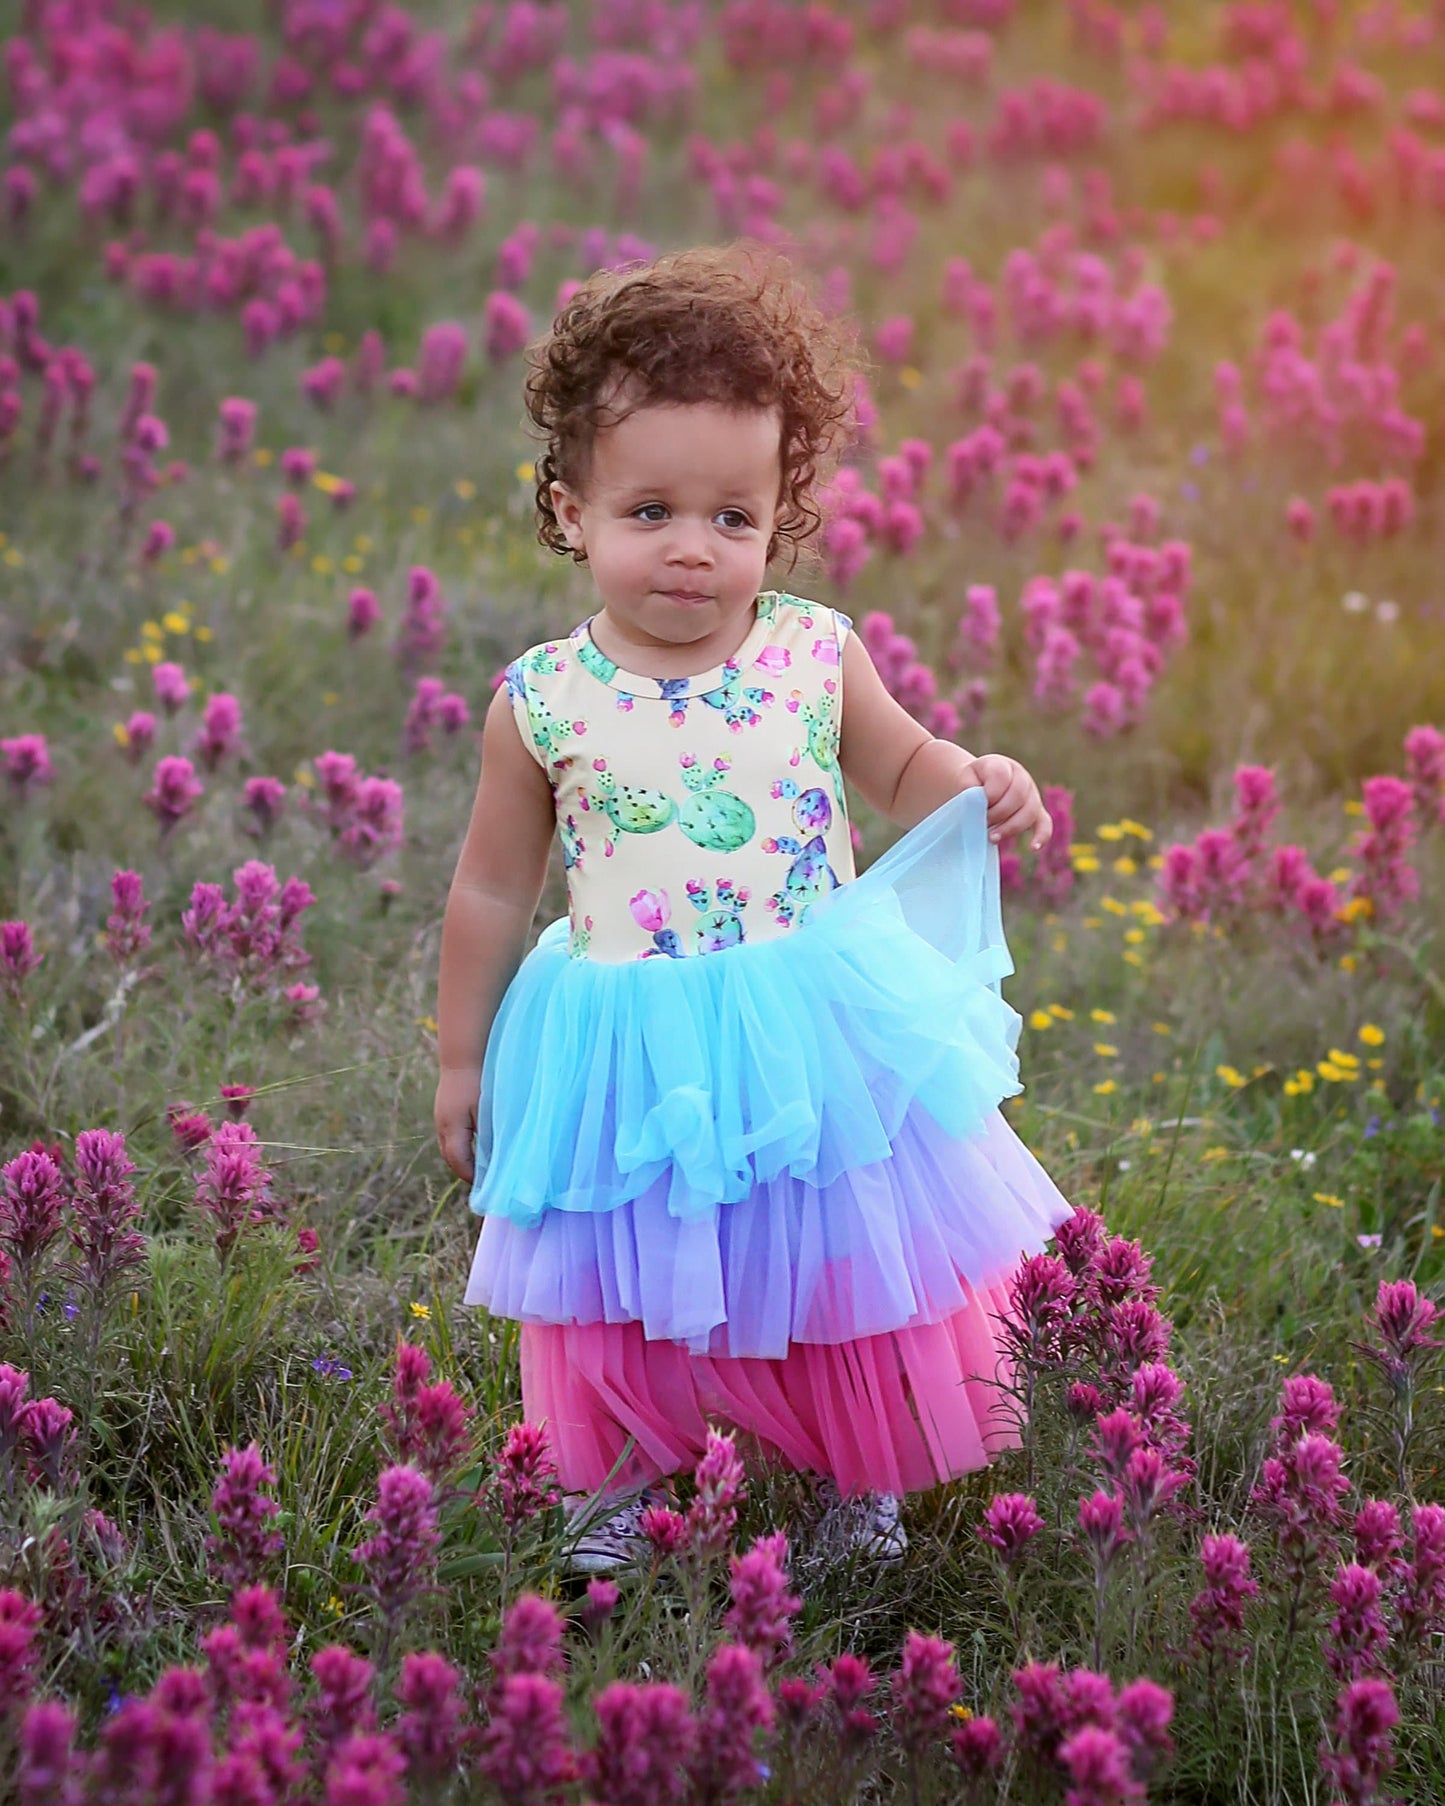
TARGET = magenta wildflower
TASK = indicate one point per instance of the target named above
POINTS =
(850, 1684)
(1099, 1771)
(1080, 1240)
(265, 799)
(399, 1555)
(430, 1731)
(525, 1475)
(923, 1689)
(427, 1425)
(1358, 1753)
(1385, 879)
(1422, 1599)
(103, 1210)
(1143, 1711)
(423, 625)
(237, 429)
(367, 1769)
(1010, 1523)
(1377, 1538)
(137, 736)
(50, 1768)
(735, 1708)
(1306, 1403)
(506, 325)
(523, 1750)
(18, 956)
(344, 1700)
(1218, 1608)
(1357, 1635)
(376, 824)
(127, 933)
(174, 792)
(1041, 1293)
(172, 687)
(362, 613)
(27, 763)
(530, 1641)
(763, 1609)
(244, 1541)
(32, 1197)
(720, 1490)
(645, 1738)
(219, 734)
(599, 1605)
(665, 1529)
(19, 1621)
(235, 1188)
(1404, 1318)
(1040, 1712)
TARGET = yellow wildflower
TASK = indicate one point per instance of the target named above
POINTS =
(1106, 1050)
(1370, 1035)
(527, 473)
(174, 622)
(1231, 1076)
(1062, 1014)
(1125, 866)
(1328, 1197)
(910, 377)
(1105, 1086)
(421, 1310)
(1102, 1016)
(1109, 831)
(1040, 1019)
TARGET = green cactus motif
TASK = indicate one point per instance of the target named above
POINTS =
(717, 820)
(820, 721)
(549, 734)
(630, 808)
(594, 661)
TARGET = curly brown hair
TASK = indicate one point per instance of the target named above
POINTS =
(729, 324)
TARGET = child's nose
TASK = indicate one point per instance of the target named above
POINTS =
(689, 544)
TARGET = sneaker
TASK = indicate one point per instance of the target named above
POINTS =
(605, 1544)
(868, 1526)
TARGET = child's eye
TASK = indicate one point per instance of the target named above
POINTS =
(643, 510)
(739, 518)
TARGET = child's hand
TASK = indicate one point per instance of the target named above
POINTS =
(1014, 803)
(455, 1114)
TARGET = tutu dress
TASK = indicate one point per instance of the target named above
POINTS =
(739, 1153)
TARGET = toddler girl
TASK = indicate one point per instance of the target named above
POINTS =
(732, 1126)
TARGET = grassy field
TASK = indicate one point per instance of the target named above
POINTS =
(1260, 1110)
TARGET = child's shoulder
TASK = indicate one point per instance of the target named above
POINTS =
(789, 610)
(548, 658)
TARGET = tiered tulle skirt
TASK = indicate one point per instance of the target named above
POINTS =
(771, 1186)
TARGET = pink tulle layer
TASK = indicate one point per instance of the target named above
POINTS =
(898, 1412)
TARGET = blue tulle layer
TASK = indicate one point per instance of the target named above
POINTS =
(695, 1081)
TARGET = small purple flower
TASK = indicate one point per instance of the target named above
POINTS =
(1099, 1771)
(1357, 1635)
(1218, 1609)
(32, 1196)
(525, 1475)
(174, 792)
(127, 933)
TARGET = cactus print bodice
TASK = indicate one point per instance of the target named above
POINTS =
(695, 813)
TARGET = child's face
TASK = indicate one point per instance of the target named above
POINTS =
(677, 513)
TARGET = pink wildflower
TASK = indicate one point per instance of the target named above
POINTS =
(244, 1542)
(762, 1608)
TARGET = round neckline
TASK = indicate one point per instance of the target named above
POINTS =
(634, 683)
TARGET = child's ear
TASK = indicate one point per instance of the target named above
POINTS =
(568, 509)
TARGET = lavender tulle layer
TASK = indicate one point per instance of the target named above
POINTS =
(789, 1140)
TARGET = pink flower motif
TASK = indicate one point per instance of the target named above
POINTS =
(775, 659)
(825, 651)
(651, 910)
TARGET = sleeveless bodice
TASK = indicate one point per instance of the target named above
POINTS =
(695, 813)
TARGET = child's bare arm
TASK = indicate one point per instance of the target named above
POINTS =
(901, 770)
(494, 894)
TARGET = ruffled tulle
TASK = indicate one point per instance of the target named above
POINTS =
(892, 1413)
(693, 1081)
(895, 1244)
